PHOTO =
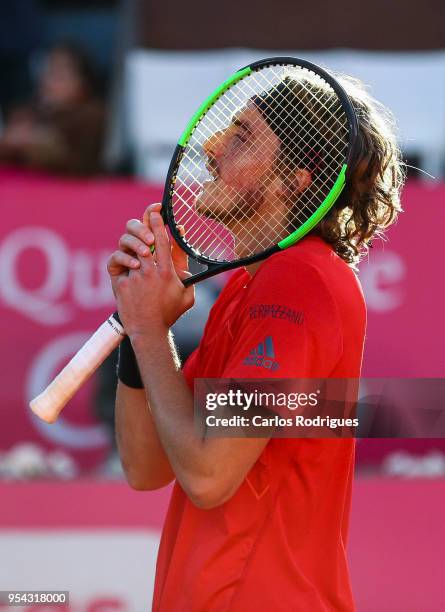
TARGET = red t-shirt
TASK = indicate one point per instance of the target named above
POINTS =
(279, 543)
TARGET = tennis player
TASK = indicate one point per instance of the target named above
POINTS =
(254, 524)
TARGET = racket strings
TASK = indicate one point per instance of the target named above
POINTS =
(311, 131)
(314, 139)
(282, 132)
(289, 114)
(326, 110)
(306, 131)
(215, 238)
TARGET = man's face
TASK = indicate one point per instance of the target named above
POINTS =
(241, 159)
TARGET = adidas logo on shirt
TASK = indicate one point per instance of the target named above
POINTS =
(263, 355)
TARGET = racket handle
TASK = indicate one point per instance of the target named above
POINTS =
(85, 362)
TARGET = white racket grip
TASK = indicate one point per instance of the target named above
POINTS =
(85, 362)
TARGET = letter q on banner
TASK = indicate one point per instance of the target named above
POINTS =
(37, 304)
(42, 370)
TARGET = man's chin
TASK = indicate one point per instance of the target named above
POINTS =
(227, 206)
(208, 203)
(211, 212)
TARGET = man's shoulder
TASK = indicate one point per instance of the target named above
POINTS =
(237, 279)
(311, 267)
(312, 256)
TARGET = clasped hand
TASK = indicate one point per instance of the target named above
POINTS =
(148, 286)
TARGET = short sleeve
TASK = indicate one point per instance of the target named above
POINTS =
(288, 325)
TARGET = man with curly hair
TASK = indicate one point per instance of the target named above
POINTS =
(254, 523)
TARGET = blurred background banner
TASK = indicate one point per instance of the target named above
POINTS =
(93, 97)
(55, 238)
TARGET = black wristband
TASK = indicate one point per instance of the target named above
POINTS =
(127, 366)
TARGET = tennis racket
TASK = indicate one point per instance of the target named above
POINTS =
(259, 164)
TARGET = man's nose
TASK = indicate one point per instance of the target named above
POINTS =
(215, 146)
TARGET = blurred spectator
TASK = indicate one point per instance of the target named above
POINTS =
(62, 129)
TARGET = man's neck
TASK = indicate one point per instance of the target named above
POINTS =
(253, 268)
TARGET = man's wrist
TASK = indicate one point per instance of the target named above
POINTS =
(154, 335)
(154, 347)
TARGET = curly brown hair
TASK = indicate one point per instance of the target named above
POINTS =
(370, 202)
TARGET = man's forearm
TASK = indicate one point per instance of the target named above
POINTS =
(144, 461)
(208, 469)
(171, 404)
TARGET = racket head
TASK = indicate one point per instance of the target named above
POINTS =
(304, 118)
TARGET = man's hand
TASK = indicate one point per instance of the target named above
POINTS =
(137, 242)
(149, 290)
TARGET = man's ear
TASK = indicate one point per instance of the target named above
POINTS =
(297, 181)
(302, 179)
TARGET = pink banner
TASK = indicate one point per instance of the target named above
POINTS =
(404, 291)
(55, 238)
